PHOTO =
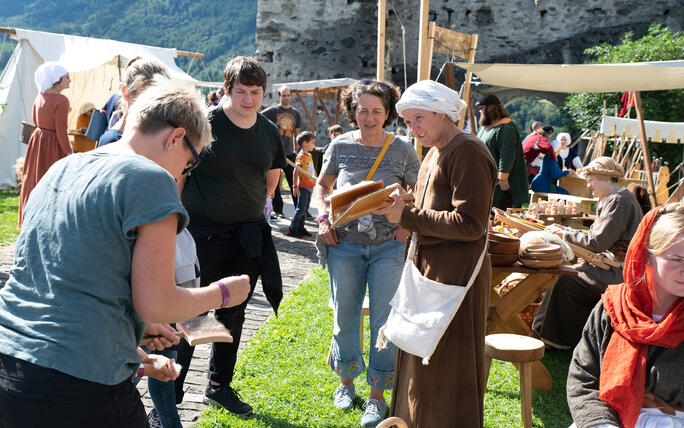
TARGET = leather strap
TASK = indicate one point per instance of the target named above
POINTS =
(371, 173)
(652, 401)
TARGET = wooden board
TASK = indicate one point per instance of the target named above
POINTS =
(340, 200)
(361, 203)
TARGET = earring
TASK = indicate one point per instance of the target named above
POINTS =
(169, 147)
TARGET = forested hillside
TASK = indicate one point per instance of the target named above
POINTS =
(218, 29)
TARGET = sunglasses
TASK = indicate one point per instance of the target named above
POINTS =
(197, 161)
(383, 85)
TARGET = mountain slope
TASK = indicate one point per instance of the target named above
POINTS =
(218, 29)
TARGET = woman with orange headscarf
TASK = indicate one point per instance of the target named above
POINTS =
(628, 368)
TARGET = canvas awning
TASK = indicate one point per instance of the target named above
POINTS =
(645, 76)
(667, 132)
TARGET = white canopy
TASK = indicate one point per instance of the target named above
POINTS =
(645, 76)
(313, 84)
(668, 132)
(95, 66)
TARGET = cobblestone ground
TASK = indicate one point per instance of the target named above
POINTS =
(297, 257)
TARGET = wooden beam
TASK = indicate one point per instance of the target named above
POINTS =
(325, 109)
(644, 150)
(190, 54)
(451, 42)
(306, 110)
(449, 77)
(315, 110)
(337, 105)
(423, 70)
(382, 12)
(468, 77)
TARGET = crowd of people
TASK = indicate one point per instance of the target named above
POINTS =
(177, 181)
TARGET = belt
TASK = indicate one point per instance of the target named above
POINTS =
(652, 401)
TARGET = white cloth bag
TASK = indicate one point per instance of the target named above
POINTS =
(422, 309)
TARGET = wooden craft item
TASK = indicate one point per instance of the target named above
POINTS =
(540, 264)
(361, 200)
(598, 260)
(301, 170)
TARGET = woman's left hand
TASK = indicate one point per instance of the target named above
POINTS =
(401, 234)
(393, 212)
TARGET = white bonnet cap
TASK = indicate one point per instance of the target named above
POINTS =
(47, 74)
(432, 96)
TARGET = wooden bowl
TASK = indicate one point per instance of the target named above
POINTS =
(541, 264)
(504, 247)
(503, 259)
(500, 237)
(534, 256)
(542, 249)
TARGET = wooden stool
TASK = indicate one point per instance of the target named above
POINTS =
(393, 422)
(365, 311)
(516, 349)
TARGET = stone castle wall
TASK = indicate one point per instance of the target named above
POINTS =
(300, 40)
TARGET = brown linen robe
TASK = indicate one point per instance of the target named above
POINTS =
(451, 224)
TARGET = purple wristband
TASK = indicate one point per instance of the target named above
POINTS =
(225, 293)
(322, 217)
(141, 371)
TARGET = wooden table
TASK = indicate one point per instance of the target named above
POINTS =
(503, 311)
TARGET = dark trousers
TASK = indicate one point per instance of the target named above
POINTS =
(220, 256)
(36, 396)
(277, 199)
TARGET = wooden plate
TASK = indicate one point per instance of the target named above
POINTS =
(543, 248)
(500, 237)
(541, 264)
(503, 247)
(550, 256)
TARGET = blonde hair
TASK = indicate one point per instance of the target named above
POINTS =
(86, 107)
(668, 228)
(140, 74)
(174, 101)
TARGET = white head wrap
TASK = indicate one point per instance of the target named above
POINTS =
(47, 74)
(432, 96)
(563, 134)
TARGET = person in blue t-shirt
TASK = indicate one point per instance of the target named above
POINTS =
(93, 271)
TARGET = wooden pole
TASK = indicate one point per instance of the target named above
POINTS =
(315, 109)
(423, 70)
(644, 149)
(382, 12)
(468, 77)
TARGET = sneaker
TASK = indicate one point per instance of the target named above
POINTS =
(153, 419)
(375, 413)
(292, 233)
(343, 397)
(304, 232)
(281, 215)
(226, 397)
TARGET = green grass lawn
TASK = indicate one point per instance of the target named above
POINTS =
(9, 208)
(282, 374)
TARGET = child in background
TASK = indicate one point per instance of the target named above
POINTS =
(303, 186)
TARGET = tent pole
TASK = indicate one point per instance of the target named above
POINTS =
(644, 149)
(382, 12)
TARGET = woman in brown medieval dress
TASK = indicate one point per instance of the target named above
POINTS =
(451, 218)
(49, 142)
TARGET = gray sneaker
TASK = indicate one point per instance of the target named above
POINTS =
(343, 397)
(374, 414)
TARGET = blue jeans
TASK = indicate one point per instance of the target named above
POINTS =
(351, 267)
(163, 395)
(297, 224)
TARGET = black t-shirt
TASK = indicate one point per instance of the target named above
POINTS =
(229, 186)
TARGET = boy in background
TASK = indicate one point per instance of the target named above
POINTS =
(303, 185)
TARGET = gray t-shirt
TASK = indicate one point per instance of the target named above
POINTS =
(287, 120)
(350, 161)
(67, 304)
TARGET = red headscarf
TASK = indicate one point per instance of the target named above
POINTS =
(630, 307)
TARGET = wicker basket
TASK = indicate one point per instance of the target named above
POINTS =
(529, 313)
(26, 132)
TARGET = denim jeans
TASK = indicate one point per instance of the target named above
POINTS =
(297, 224)
(351, 267)
(163, 395)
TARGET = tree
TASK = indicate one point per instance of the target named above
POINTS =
(660, 44)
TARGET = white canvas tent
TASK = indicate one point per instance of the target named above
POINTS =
(95, 66)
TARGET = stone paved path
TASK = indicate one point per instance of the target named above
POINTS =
(297, 257)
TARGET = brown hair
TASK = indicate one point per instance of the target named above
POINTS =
(496, 112)
(245, 70)
(387, 92)
(139, 74)
(304, 137)
(335, 128)
(213, 96)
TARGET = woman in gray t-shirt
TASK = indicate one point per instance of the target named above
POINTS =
(369, 250)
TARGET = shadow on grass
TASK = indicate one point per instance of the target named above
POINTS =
(551, 407)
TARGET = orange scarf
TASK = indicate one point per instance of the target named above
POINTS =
(630, 307)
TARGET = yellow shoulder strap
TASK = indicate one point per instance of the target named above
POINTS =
(389, 139)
